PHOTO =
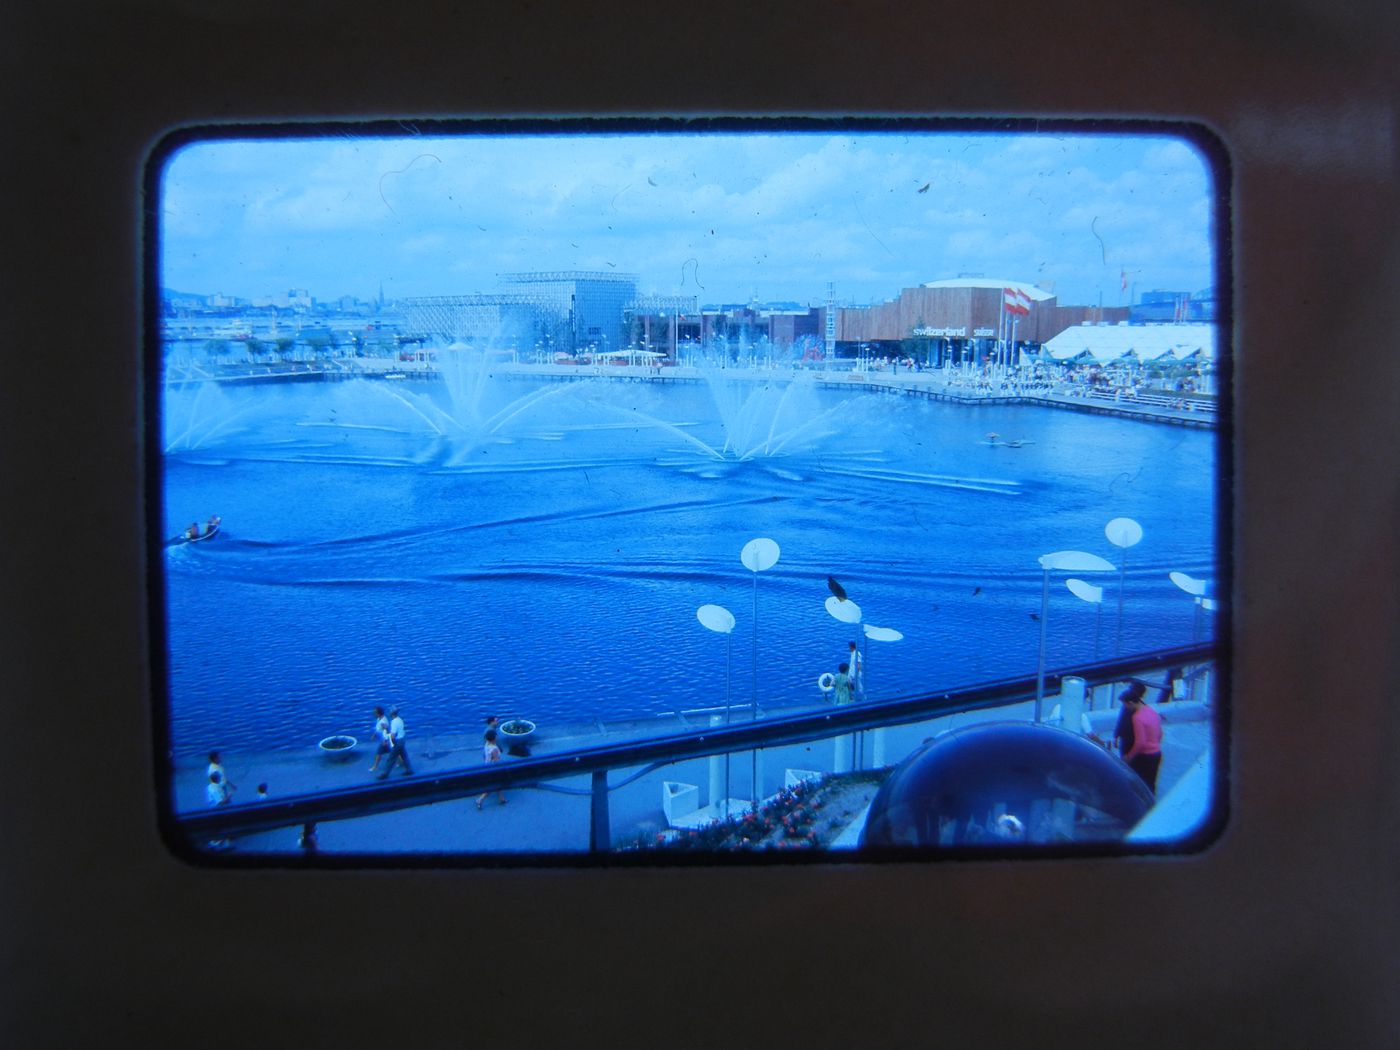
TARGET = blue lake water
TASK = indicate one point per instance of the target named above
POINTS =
(498, 544)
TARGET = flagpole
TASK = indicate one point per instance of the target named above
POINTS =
(1001, 322)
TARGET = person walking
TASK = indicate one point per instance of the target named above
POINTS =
(397, 753)
(306, 838)
(842, 687)
(381, 734)
(1173, 688)
(216, 792)
(491, 752)
(1123, 728)
(857, 672)
(857, 667)
(1145, 755)
(216, 765)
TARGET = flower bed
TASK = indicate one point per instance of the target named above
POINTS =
(808, 815)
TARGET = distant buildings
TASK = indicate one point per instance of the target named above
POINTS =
(968, 319)
(1175, 307)
(295, 301)
(561, 311)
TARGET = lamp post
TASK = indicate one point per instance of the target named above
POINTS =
(1094, 595)
(757, 555)
(1059, 561)
(877, 756)
(846, 611)
(720, 620)
(879, 634)
(1122, 533)
(1198, 589)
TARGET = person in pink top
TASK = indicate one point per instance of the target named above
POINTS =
(1145, 756)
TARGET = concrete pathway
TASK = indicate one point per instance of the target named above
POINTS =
(556, 820)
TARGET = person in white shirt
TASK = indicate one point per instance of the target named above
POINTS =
(856, 671)
(491, 752)
(381, 735)
(217, 792)
(217, 766)
(396, 746)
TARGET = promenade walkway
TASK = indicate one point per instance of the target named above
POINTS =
(555, 820)
(1148, 405)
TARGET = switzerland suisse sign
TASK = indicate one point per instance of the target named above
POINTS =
(953, 333)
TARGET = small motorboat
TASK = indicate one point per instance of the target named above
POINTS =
(194, 534)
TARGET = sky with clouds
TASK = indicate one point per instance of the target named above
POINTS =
(722, 216)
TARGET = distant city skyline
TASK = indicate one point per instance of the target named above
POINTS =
(724, 217)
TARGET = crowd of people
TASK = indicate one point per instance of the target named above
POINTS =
(1071, 381)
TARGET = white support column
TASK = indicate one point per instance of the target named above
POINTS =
(1071, 702)
(841, 759)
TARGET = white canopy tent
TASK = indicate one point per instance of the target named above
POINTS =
(1104, 344)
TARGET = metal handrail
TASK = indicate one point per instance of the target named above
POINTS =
(427, 789)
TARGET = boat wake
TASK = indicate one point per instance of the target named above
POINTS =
(996, 486)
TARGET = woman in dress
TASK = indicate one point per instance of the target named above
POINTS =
(491, 752)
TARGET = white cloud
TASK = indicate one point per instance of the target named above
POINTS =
(780, 215)
(428, 242)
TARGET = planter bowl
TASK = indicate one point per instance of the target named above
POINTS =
(514, 731)
(339, 748)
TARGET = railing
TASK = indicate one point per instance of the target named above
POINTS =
(347, 803)
(1187, 401)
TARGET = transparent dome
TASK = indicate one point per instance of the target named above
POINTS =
(1006, 784)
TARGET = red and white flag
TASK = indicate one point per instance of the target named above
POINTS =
(1015, 301)
(1023, 302)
